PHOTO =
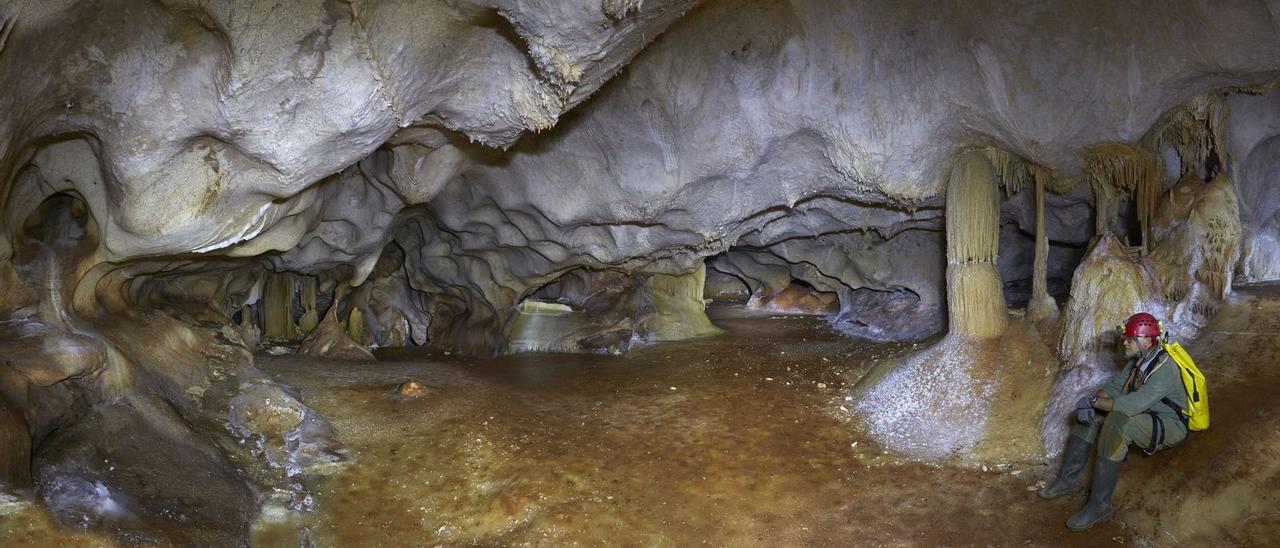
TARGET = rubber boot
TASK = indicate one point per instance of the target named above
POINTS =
(1105, 475)
(1074, 457)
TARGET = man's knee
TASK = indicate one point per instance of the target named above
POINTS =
(1115, 423)
(1114, 439)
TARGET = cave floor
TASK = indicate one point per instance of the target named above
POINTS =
(735, 440)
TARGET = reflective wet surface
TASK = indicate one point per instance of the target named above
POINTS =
(742, 439)
(735, 440)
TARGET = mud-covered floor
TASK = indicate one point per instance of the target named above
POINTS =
(736, 440)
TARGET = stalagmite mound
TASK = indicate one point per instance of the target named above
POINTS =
(1197, 242)
(973, 396)
(411, 388)
(331, 342)
(962, 400)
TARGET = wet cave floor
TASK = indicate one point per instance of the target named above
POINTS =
(735, 440)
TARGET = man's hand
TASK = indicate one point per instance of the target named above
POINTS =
(1084, 411)
(1103, 402)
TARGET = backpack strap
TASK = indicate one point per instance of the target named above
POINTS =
(1157, 433)
(1158, 362)
(1182, 415)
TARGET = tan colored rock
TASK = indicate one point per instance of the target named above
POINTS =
(329, 341)
(797, 299)
(266, 410)
(412, 388)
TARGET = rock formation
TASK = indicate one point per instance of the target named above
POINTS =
(182, 180)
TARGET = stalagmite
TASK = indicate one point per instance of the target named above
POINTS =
(1016, 174)
(355, 324)
(1107, 288)
(975, 297)
(1200, 242)
(329, 341)
(358, 300)
(1042, 306)
(681, 313)
(307, 297)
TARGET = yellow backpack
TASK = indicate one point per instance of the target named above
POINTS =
(1197, 411)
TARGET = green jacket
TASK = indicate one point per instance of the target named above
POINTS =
(1163, 380)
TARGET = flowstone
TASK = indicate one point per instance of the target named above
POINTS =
(331, 342)
(962, 400)
(1196, 245)
(610, 312)
(973, 396)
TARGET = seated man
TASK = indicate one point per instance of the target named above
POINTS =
(1142, 405)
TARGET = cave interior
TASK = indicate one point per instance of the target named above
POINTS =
(494, 272)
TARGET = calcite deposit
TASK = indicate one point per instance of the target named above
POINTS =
(185, 183)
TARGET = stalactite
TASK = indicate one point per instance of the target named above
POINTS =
(1042, 306)
(1011, 171)
(679, 304)
(1194, 130)
(973, 212)
(1115, 167)
(975, 297)
(1015, 174)
(307, 297)
(688, 286)
(277, 306)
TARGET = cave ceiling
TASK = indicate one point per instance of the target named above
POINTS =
(504, 143)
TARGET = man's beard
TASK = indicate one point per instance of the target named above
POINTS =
(1134, 353)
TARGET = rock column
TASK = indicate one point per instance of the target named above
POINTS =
(1042, 306)
(975, 297)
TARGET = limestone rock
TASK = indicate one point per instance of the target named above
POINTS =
(329, 341)
(266, 410)
(411, 388)
(970, 401)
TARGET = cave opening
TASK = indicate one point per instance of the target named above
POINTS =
(60, 217)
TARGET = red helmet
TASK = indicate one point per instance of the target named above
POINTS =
(1142, 325)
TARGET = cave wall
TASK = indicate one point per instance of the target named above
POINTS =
(745, 122)
(825, 120)
(169, 98)
(430, 165)
(1254, 168)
